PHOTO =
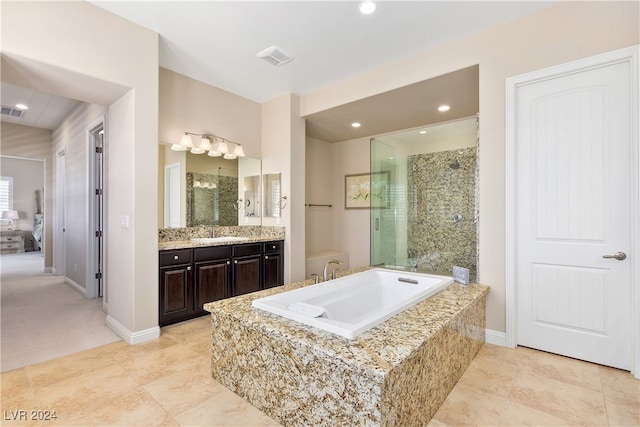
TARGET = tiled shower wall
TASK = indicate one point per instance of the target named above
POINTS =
(212, 206)
(442, 216)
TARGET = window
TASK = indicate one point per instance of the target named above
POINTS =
(6, 197)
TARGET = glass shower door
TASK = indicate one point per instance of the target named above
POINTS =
(387, 207)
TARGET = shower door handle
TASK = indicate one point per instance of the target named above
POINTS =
(620, 256)
(377, 224)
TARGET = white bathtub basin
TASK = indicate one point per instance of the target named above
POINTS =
(351, 305)
(222, 239)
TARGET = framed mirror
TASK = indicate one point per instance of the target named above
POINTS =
(251, 201)
(271, 189)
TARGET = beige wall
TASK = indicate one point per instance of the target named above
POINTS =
(319, 189)
(187, 105)
(62, 53)
(560, 33)
(35, 143)
(283, 151)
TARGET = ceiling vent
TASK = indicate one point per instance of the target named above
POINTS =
(12, 112)
(275, 56)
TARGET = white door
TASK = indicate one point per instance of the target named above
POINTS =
(573, 209)
(172, 176)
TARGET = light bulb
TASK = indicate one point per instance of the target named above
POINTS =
(186, 140)
(222, 147)
(213, 153)
(238, 151)
(205, 144)
(178, 147)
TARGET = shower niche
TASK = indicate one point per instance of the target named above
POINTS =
(431, 221)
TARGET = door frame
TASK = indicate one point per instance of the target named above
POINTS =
(59, 235)
(630, 55)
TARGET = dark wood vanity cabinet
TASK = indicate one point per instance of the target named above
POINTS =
(189, 278)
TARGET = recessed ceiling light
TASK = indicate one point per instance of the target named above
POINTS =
(22, 107)
(367, 7)
(355, 124)
(443, 108)
(423, 132)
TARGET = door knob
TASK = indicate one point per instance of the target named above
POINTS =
(620, 256)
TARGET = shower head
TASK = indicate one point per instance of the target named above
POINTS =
(455, 165)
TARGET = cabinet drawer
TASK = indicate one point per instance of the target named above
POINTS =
(211, 253)
(246, 250)
(175, 257)
(273, 246)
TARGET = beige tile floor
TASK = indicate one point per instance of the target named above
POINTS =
(166, 382)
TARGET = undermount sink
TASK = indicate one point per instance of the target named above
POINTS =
(222, 239)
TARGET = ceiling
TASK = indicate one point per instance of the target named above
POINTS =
(216, 42)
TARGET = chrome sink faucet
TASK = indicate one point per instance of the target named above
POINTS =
(326, 267)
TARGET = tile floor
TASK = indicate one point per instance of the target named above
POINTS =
(166, 382)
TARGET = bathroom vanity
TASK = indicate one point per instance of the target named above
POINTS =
(197, 270)
(397, 373)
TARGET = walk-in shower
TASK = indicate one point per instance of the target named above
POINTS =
(429, 220)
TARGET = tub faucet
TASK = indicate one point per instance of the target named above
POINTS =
(326, 267)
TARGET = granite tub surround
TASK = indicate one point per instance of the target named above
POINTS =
(179, 238)
(396, 374)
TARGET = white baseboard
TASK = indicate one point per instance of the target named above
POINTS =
(132, 337)
(49, 270)
(495, 337)
(76, 286)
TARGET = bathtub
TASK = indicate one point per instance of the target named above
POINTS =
(351, 305)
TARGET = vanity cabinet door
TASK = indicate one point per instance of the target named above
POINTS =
(247, 268)
(211, 282)
(176, 294)
(273, 264)
(246, 275)
(176, 289)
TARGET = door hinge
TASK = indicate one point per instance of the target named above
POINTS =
(99, 150)
(98, 191)
(98, 275)
(98, 233)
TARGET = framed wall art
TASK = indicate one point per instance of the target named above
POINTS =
(366, 190)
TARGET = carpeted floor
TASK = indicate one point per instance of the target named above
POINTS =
(41, 317)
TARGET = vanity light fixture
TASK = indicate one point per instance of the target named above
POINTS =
(355, 125)
(22, 107)
(213, 145)
(422, 132)
(443, 108)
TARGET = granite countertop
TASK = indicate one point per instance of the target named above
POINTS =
(378, 350)
(180, 238)
(186, 244)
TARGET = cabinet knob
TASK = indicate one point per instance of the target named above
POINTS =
(273, 247)
(266, 257)
(189, 268)
(175, 257)
(235, 261)
(228, 262)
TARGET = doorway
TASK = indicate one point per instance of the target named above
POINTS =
(572, 215)
(96, 234)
